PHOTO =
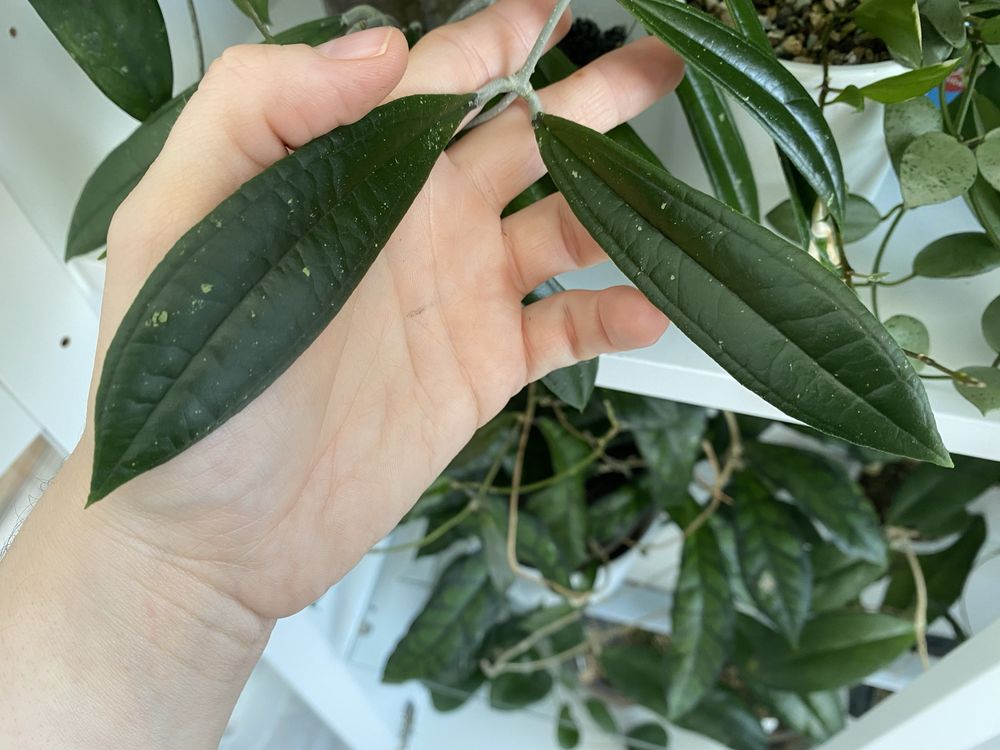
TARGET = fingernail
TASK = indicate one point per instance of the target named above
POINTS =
(360, 45)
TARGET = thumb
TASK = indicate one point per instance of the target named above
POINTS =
(255, 102)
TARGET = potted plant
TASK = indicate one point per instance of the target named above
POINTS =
(762, 595)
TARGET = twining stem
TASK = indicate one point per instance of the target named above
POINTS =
(496, 668)
(961, 377)
(945, 109)
(877, 266)
(972, 73)
(199, 46)
(901, 539)
(723, 473)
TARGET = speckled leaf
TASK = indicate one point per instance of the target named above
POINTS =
(839, 579)
(724, 716)
(122, 169)
(906, 121)
(774, 562)
(639, 672)
(813, 351)
(986, 398)
(702, 622)
(932, 500)
(947, 18)
(646, 737)
(567, 732)
(757, 81)
(988, 158)
(719, 143)
(120, 44)
(911, 335)
(442, 642)
(823, 490)
(957, 256)
(247, 290)
(945, 574)
(897, 23)
(935, 168)
(837, 649)
(991, 324)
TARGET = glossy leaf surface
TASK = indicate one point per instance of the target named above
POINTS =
(813, 351)
(247, 290)
(897, 23)
(956, 256)
(120, 44)
(757, 81)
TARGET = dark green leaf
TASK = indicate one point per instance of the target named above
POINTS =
(984, 201)
(814, 351)
(987, 397)
(723, 716)
(568, 636)
(639, 672)
(601, 715)
(897, 23)
(493, 533)
(932, 500)
(122, 169)
(837, 649)
(773, 557)
(991, 324)
(935, 168)
(852, 97)
(759, 82)
(839, 579)
(442, 500)
(719, 143)
(487, 444)
(258, 7)
(567, 732)
(802, 198)
(511, 691)
(646, 737)
(945, 574)
(947, 18)
(535, 545)
(906, 121)
(702, 622)
(907, 85)
(957, 256)
(988, 158)
(862, 219)
(747, 22)
(817, 716)
(448, 698)
(989, 30)
(823, 490)
(911, 335)
(120, 44)
(244, 293)
(619, 515)
(442, 642)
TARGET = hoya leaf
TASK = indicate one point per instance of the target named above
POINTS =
(573, 384)
(814, 351)
(935, 168)
(947, 18)
(619, 516)
(452, 697)
(911, 335)
(912, 83)
(639, 672)
(702, 622)
(989, 30)
(991, 324)
(757, 81)
(493, 535)
(862, 219)
(719, 143)
(724, 716)
(984, 200)
(122, 169)
(824, 491)
(773, 558)
(945, 574)
(986, 398)
(567, 732)
(837, 649)
(258, 7)
(247, 290)
(988, 158)
(601, 715)
(932, 500)
(818, 716)
(897, 23)
(957, 256)
(442, 642)
(852, 96)
(536, 547)
(120, 44)
(646, 737)
(747, 22)
(839, 579)
(906, 121)
(513, 691)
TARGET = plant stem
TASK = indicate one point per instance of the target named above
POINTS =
(971, 74)
(471, 507)
(199, 46)
(901, 541)
(961, 377)
(877, 266)
(734, 460)
(515, 490)
(960, 635)
(945, 112)
(496, 668)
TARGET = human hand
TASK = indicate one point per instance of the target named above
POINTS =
(278, 503)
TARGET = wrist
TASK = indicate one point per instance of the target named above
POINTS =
(130, 642)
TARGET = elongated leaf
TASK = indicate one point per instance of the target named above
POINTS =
(813, 351)
(991, 324)
(618, 516)
(932, 500)
(837, 649)
(573, 384)
(935, 168)
(907, 85)
(702, 620)
(818, 716)
(536, 547)
(719, 143)
(957, 256)
(442, 642)
(771, 94)
(747, 22)
(639, 672)
(601, 715)
(122, 169)
(823, 490)
(839, 579)
(120, 44)
(773, 557)
(945, 574)
(646, 737)
(244, 292)
(897, 23)
(985, 397)
(906, 121)
(567, 732)
(947, 18)
(724, 716)
(259, 7)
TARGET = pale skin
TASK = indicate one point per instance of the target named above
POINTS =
(135, 623)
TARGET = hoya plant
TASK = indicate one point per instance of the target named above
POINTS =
(778, 533)
(767, 312)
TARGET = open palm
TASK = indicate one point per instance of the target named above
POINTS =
(284, 498)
